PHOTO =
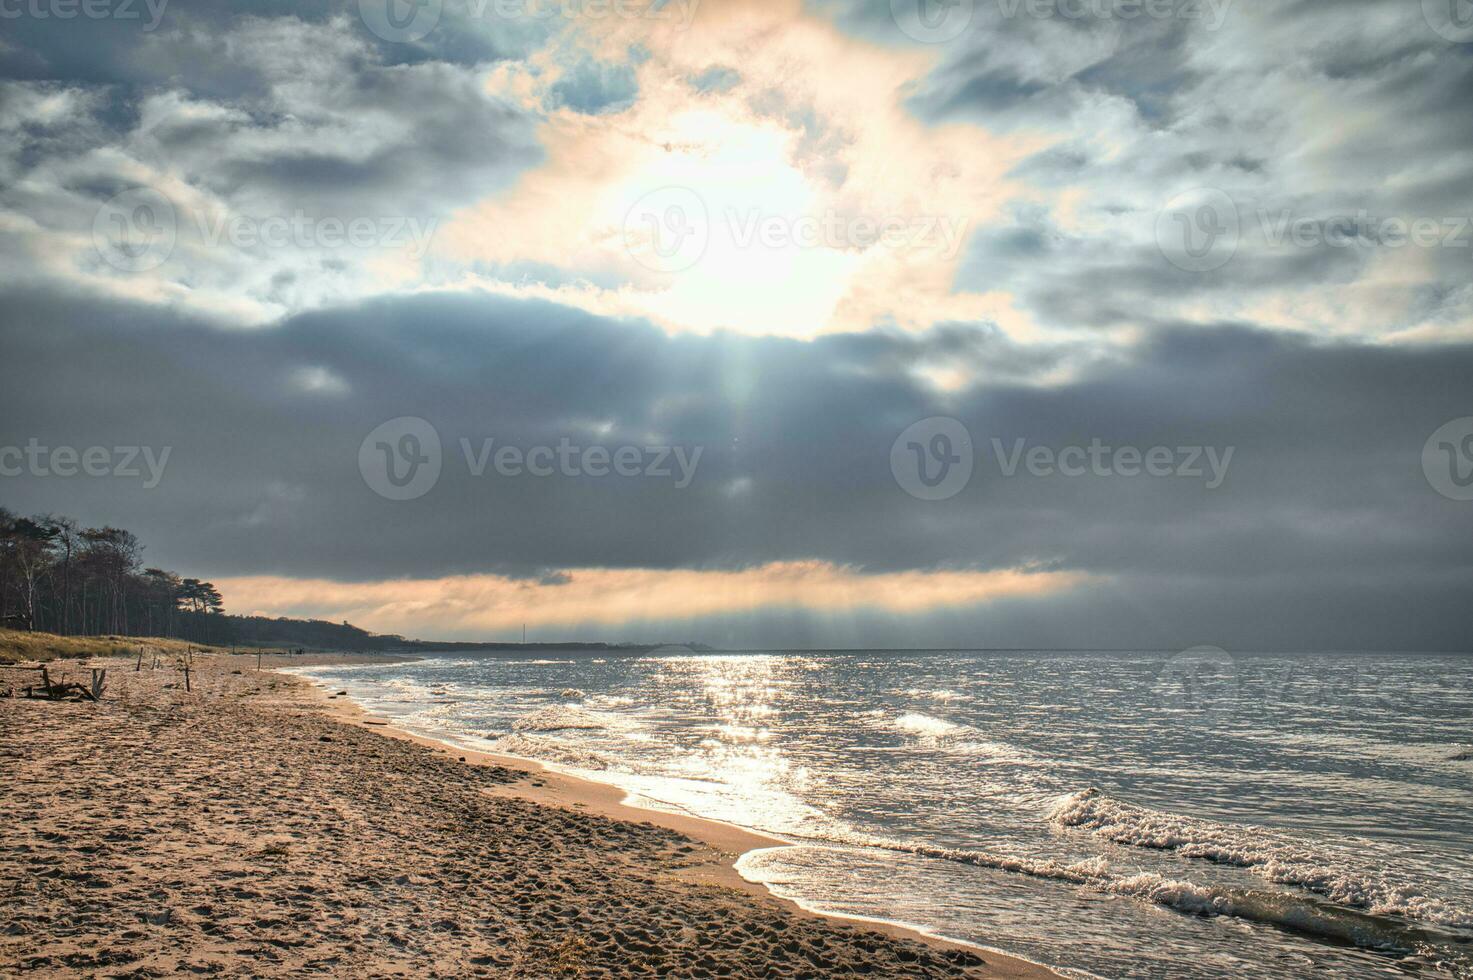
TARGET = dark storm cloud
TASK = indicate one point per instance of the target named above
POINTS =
(291, 106)
(166, 43)
(1324, 501)
(253, 118)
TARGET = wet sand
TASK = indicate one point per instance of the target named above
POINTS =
(257, 825)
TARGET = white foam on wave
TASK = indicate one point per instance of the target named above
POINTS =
(547, 750)
(925, 726)
(1270, 855)
(938, 733)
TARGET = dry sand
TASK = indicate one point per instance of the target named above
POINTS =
(256, 827)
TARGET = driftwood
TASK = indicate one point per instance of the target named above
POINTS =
(62, 690)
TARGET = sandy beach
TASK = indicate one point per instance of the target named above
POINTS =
(258, 825)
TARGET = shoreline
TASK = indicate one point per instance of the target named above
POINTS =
(249, 823)
(566, 791)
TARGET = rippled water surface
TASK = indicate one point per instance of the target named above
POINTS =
(1120, 814)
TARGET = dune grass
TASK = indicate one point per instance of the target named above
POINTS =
(17, 646)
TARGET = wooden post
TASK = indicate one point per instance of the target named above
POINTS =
(99, 681)
(140, 661)
(258, 660)
(186, 679)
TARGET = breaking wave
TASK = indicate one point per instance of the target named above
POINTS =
(1305, 914)
(547, 750)
(925, 726)
(1268, 855)
(938, 733)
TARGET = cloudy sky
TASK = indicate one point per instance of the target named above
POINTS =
(1068, 323)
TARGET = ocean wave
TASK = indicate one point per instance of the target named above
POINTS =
(557, 718)
(957, 739)
(1269, 855)
(1302, 913)
(991, 751)
(547, 750)
(935, 694)
(925, 726)
(1080, 873)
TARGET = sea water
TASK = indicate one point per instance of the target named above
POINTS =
(1119, 814)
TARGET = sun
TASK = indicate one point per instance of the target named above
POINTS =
(729, 232)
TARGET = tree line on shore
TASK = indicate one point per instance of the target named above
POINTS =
(57, 576)
(61, 577)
